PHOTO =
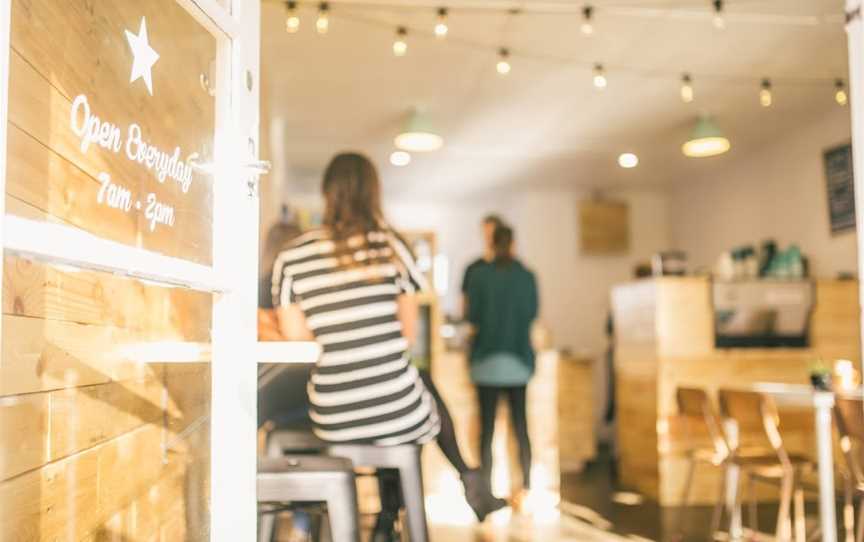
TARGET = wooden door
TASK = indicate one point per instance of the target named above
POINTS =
(127, 409)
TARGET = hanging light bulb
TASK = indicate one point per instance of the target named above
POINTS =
(503, 65)
(323, 22)
(400, 46)
(292, 19)
(706, 140)
(719, 21)
(599, 77)
(765, 96)
(587, 17)
(686, 88)
(441, 26)
(840, 95)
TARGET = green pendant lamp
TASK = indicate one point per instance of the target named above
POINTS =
(706, 140)
(418, 134)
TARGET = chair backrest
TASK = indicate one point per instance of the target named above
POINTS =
(849, 417)
(757, 419)
(695, 406)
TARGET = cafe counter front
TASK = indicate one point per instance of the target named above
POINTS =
(665, 338)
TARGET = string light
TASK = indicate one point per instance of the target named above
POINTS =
(323, 22)
(719, 21)
(292, 20)
(441, 26)
(686, 88)
(765, 96)
(587, 16)
(628, 160)
(400, 158)
(599, 77)
(503, 65)
(840, 95)
(400, 46)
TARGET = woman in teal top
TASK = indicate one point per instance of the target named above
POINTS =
(502, 304)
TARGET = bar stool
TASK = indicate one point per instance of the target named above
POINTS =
(695, 407)
(849, 418)
(756, 415)
(305, 479)
(406, 459)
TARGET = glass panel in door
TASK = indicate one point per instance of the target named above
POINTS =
(105, 380)
(111, 104)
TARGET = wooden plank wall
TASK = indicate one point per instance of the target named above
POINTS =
(84, 423)
(99, 439)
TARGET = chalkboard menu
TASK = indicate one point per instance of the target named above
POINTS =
(841, 191)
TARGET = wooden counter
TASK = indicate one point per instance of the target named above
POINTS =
(664, 338)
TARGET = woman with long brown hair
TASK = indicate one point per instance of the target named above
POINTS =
(351, 287)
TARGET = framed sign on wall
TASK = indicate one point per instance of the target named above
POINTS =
(839, 178)
(604, 227)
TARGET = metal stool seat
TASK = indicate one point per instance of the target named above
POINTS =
(299, 440)
(305, 479)
(404, 458)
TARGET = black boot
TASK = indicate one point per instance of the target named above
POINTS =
(385, 528)
(479, 494)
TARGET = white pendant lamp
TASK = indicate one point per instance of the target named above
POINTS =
(706, 140)
(418, 135)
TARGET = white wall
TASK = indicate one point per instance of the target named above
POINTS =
(776, 191)
(574, 288)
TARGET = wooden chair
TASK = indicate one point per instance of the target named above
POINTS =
(761, 456)
(696, 410)
(849, 418)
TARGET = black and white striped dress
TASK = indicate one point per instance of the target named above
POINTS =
(363, 388)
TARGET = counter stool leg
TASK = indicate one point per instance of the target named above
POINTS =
(800, 518)
(343, 517)
(685, 498)
(859, 528)
(848, 511)
(752, 504)
(784, 528)
(717, 513)
(266, 527)
(411, 480)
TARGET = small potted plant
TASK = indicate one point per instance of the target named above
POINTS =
(820, 375)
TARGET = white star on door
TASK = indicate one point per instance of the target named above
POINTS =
(143, 56)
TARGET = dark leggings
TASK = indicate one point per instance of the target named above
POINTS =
(388, 480)
(488, 397)
(447, 437)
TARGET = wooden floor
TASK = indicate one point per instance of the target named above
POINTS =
(592, 508)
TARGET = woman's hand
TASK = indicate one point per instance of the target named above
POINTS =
(407, 310)
(292, 323)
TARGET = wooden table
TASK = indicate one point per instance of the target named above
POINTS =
(822, 403)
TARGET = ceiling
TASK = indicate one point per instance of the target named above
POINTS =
(544, 124)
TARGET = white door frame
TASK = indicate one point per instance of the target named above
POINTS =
(855, 32)
(235, 258)
(233, 276)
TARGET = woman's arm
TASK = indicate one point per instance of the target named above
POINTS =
(407, 310)
(533, 297)
(292, 323)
